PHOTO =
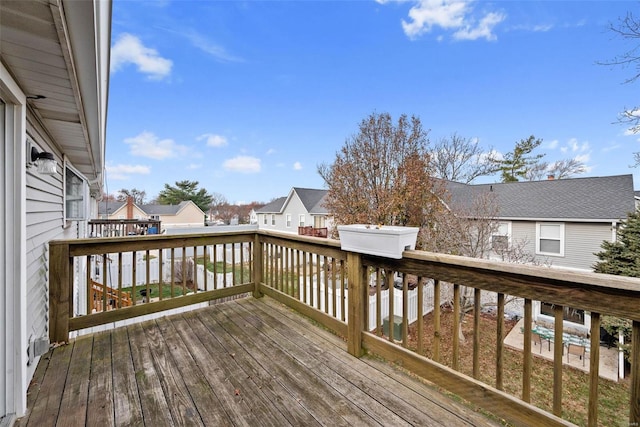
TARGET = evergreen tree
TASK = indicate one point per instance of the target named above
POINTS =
(185, 190)
(516, 164)
(622, 257)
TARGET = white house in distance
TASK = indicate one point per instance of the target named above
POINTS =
(301, 212)
(183, 215)
(54, 74)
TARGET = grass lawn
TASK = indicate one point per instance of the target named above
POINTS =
(613, 397)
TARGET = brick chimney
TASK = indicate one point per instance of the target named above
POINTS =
(129, 207)
(550, 177)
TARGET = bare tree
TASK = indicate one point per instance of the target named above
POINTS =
(138, 196)
(461, 159)
(628, 28)
(382, 174)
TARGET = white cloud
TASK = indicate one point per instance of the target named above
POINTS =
(629, 132)
(553, 144)
(128, 49)
(193, 166)
(149, 145)
(243, 164)
(210, 47)
(297, 166)
(454, 15)
(122, 172)
(484, 29)
(213, 140)
(271, 151)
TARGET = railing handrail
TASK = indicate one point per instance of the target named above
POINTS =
(601, 294)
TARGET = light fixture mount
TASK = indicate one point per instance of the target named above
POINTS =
(46, 161)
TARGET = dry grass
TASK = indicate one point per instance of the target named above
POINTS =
(613, 397)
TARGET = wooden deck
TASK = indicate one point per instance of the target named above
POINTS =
(246, 362)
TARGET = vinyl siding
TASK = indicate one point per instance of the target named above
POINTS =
(581, 241)
(44, 220)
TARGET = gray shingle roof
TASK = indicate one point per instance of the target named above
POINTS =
(108, 207)
(163, 209)
(594, 198)
(312, 199)
(275, 206)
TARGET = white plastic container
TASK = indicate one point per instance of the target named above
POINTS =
(386, 241)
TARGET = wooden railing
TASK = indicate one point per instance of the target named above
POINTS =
(123, 227)
(357, 296)
(313, 231)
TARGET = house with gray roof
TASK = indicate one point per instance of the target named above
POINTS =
(301, 212)
(185, 214)
(562, 223)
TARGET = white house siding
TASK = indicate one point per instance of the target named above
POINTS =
(295, 208)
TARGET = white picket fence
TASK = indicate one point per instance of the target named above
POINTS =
(412, 301)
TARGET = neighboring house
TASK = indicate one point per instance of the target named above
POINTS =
(561, 222)
(54, 74)
(183, 215)
(303, 207)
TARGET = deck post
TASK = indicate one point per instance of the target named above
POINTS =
(356, 288)
(60, 290)
(634, 410)
(258, 256)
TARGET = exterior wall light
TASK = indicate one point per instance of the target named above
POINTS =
(45, 161)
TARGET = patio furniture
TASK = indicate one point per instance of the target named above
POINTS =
(576, 349)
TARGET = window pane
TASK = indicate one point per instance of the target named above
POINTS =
(549, 231)
(550, 246)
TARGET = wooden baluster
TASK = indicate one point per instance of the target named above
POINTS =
(405, 309)
(557, 360)
(325, 270)
(233, 265)
(173, 271)
(92, 295)
(134, 265)
(318, 281)
(257, 258)
(105, 290)
(205, 267)
(390, 322)
(634, 407)
(160, 278)
(436, 320)
(120, 280)
(334, 288)
(476, 332)
(224, 265)
(379, 301)
(343, 291)
(195, 269)
(500, 342)
(420, 325)
(147, 272)
(304, 294)
(594, 366)
(242, 262)
(183, 270)
(456, 326)
(528, 358)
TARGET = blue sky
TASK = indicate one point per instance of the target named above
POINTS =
(248, 97)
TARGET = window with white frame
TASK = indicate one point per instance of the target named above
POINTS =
(273, 219)
(550, 239)
(74, 195)
(265, 221)
(301, 220)
(288, 220)
(500, 237)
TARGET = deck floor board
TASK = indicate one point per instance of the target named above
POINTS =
(245, 362)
